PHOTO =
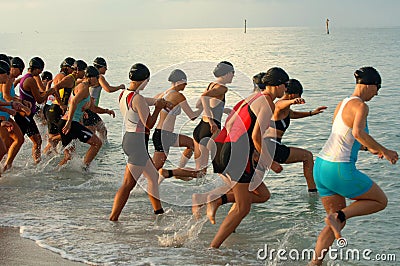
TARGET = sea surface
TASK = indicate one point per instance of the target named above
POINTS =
(66, 210)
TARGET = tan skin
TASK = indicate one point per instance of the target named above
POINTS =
(241, 193)
(81, 92)
(140, 105)
(209, 99)
(13, 138)
(374, 200)
(167, 123)
(31, 85)
(62, 81)
(100, 127)
(282, 110)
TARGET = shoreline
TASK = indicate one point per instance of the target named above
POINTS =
(16, 250)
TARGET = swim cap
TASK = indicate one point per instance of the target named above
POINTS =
(223, 68)
(5, 58)
(367, 76)
(91, 71)
(36, 63)
(17, 62)
(68, 62)
(79, 65)
(46, 75)
(99, 62)
(257, 80)
(275, 76)
(293, 86)
(4, 67)
(139, 72)
(177, 75)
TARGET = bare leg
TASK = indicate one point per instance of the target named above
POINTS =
(36, 147)
(152, 176)
(301, 155)
(185, 141)
(159, 159)
(372, 201)
(17, 141)
(122, 195)
(243, 200)
(260, 195)
(95, 145)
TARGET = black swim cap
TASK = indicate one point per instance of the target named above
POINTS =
(91, 71)
(293, 86)
(17, 62)
(36, 63)
(5, 58)
(99, 62)
(68, 62)
(275, 76)
(223, 68)
(367, 76)
(257, 80)
(79, 65)
(139, 72)
(4, 67)
(177, 75)
(46, 75)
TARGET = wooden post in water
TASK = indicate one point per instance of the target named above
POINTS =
(327, 26)
(245, 26)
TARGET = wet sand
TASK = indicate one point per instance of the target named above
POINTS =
(16, 250)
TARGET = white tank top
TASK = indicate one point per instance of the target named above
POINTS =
(131, 118)
(341, 145)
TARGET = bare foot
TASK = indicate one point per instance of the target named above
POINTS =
(198, 201)
(212, 207)
(333, 222)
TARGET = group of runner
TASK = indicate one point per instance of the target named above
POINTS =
(247, 145)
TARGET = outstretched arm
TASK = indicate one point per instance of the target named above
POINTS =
(296, 114)
(107, 87)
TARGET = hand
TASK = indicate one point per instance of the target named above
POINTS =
(67, 127)
(298, 101)
(19, 107)
(319, 110)
(11, 112)
(213, 127)
(169, 106)
(7, 125)
(160, 103)
(122, 87)
(27, 103)
(389, 155)
(111, 112)
(276, 167)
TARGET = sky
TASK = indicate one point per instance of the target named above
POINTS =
(105, 15)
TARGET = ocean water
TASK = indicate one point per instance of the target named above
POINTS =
(67, 210)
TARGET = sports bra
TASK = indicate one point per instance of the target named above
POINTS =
(177, 110)
(281, 125)
(217, 110)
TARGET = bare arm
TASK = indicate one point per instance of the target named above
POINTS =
(39, 96)
(296, 114)
(79, 96)
(107, 87)
(367, 140)
(139, 104)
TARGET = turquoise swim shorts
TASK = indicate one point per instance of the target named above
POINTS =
(340, 178)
